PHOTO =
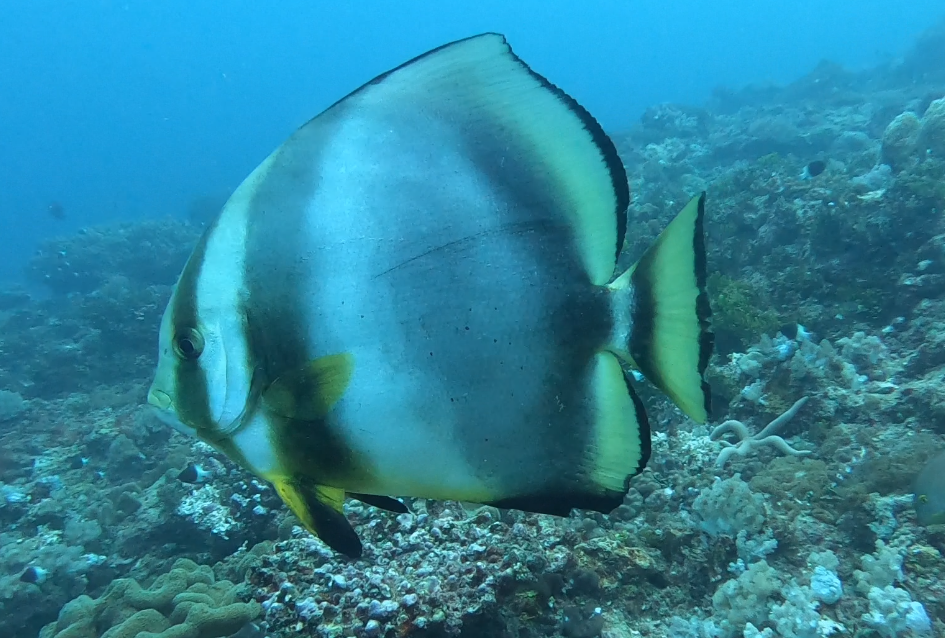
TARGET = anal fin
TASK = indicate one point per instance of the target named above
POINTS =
(321, 511)
(618, 448)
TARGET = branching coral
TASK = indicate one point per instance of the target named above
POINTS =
(747, 442)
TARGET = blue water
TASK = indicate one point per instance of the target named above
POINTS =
(128, 109)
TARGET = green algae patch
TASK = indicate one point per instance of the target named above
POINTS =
(741, 312)
(187, 602)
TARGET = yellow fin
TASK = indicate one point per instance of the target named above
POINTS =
(662, 304)
(564, 138)
(621, 430)
(309, 393)
(619, 448)
(321, 511)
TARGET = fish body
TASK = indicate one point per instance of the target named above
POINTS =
(56, 210)
(415, 295)
(34, 575)
(813, 169)
(929, 492)
(194, 474)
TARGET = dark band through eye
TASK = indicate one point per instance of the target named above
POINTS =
(188, 344)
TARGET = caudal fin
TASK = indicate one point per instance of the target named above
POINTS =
(665, 313)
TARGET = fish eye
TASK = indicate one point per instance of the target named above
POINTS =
(188, 344)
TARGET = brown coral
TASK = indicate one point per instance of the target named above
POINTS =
(187, 602)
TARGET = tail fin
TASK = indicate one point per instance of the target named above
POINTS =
(662, 313)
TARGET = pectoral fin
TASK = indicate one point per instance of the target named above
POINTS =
(310, 392)
(320, 509)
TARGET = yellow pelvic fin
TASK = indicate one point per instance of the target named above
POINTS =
(310, 392)
(663, 299)
(321, 511)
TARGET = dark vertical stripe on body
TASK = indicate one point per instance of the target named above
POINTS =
(191, 394)
(274, 267)
(561, 495)
(277, 275)
(562, 303)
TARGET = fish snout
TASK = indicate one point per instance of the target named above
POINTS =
(164, 409)
(159, 399)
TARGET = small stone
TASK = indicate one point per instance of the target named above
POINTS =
(372, 629)
(339, 581)
(410, 600)
(331, 631)
(383, 610)
(407, 522)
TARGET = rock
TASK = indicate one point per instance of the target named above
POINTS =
(899, 140)
(372, 629)
(932, 133)
(383, 610)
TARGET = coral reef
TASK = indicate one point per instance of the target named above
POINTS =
(932, 131)
(827, 286)
(900, 139)
(187, 602)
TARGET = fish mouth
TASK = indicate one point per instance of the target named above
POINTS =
(159, 399)
(163, 407)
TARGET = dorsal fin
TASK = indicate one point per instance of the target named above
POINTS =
(484, 92)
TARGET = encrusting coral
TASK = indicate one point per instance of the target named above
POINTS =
(187, 602)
